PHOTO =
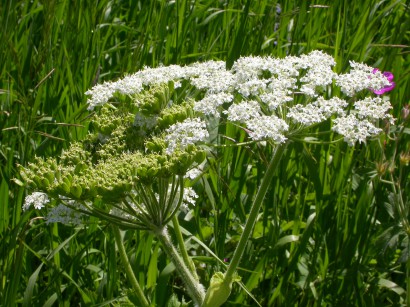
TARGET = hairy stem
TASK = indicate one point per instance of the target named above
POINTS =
(195, 289)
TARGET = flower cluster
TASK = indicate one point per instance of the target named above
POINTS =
(317, 111)
(361, 77)
(148, 127)
(65, 215)
(259, 93)
(183, 134)
(37, 199)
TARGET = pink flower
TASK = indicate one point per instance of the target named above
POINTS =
(387, 88)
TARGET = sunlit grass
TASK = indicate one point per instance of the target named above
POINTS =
(316, 242)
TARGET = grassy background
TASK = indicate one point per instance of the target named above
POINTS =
(330, 233)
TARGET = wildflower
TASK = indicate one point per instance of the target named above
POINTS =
(194, 172)
(65, 215)
(354, 129)
(243, 111)
(267, 127)
(359, 78)
(373, 108)
(100, 94)
(183, 134)
(317, 111)
(36, 199)
(210, 103)
(188, 199)
(386, 88)
(276, 99)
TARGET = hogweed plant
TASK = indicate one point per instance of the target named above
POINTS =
(150, 132)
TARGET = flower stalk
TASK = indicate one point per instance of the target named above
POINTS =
(127, 266)
(226, 281)
(253, 214)
(181, 245)
(195, 289)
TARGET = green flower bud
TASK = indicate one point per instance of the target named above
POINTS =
(152, 172)
(49, 176)
(179, 164)
(181, 116)
(23, 174)
(58, 175)
(65, 187)
(37, 181)
(81, 166)
(76, 191)
(67, 179)
(44, 182)
(142, 172)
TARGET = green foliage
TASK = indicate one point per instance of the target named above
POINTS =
(331, 232)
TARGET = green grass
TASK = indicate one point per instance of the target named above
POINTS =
(329, 233)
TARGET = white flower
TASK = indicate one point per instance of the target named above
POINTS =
(354, 129)
(267, 127)
(359, 78)
(258, 89)
(315, 58)
(129, 85)
(100, 94)
(373, 108)
(306, 115)
(183, 134)
(243, 111)
(317, 111)
(36, 199)
(210, 103)
(249, 68)
(252, 87)
(275, 99)
(195, 172)
(214, 81)
(332, 106)
(319, 72)
(65, 215)
(160, 75)
(189, 198)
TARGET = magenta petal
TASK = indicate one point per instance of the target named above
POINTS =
(390, 87)
(388, 75)
(379, 92)
(385, 89)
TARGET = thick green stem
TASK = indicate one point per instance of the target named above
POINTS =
(253, 214)
(182, 248)
(195, 289)
(128, 270)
